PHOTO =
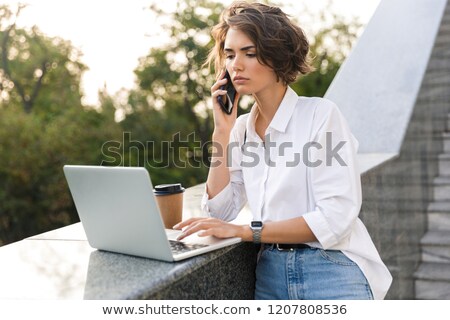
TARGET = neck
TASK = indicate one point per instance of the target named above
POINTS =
(268, 101)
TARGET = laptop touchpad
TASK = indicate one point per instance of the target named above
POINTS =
(172, 234)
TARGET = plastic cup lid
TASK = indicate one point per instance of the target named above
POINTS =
(166, 189)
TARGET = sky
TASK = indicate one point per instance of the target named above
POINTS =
(113, 34)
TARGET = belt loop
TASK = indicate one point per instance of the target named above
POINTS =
(281, 249)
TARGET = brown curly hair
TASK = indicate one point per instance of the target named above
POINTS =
(280, 44)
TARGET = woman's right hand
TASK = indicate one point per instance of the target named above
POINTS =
(223, 123)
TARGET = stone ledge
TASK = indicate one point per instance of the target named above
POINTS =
(60, 264)
(436, 238)
(433, 271)
(41, 268)
(432, 290)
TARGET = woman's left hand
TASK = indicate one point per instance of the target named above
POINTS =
(208, 227)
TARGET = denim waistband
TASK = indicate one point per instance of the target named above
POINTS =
(286, 246)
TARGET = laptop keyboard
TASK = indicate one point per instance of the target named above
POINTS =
(180, 247)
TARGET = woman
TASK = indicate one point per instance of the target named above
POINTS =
(293, 159)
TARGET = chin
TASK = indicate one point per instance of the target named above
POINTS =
(244, 91)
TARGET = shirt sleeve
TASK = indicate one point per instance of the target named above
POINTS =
(227, 204)
(334, 181)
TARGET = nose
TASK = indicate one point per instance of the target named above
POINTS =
(237, 64)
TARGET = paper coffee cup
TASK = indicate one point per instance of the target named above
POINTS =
(170, 202)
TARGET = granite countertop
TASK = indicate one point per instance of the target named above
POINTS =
(60, 264)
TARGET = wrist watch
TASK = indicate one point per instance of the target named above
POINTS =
(256, 227)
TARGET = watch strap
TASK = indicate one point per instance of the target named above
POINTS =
(256, 235)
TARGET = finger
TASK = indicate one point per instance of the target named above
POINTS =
(187, 232)
(219, 232)
(220, 81)
(215, 100)
(181, 236)
(222, 74)
(181, 225)
(195, 227)
(219, 92)
(205, 233)
(218, 84)
(187, 222)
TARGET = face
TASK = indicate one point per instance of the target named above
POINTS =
(249, 76)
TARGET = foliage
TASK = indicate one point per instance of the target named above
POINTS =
(33, 192)
(37, 73)
(169, 104)
(43, 126)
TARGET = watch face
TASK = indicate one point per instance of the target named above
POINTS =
(257, 224)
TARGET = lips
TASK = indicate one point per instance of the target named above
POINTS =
(240, 80)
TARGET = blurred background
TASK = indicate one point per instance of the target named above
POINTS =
(122, 83)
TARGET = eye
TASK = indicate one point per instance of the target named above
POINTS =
(229, 56)
(251, 55)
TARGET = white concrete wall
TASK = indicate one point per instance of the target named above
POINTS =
(377, 86)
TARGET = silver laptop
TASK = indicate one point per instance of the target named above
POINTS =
(119, 213)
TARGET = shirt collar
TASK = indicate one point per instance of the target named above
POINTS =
(281, 118)
(285, 111)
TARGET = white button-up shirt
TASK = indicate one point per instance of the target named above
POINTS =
(305, 167)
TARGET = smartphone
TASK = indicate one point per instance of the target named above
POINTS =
(227, 101)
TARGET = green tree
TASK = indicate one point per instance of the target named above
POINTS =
(169, 104)
(172, 93)
(43, 126)
(37, 73)
(34, 196)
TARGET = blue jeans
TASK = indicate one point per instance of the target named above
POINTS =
(309, 274)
